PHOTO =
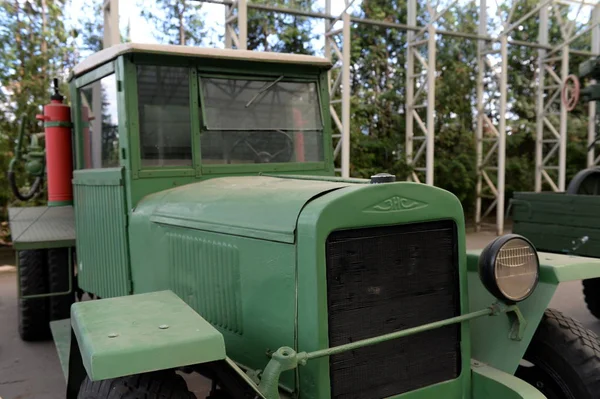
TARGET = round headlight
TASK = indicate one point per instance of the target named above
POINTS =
(509, 268)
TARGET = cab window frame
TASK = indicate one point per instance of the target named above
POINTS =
(80, 82)
(134, 127)
(209, 73)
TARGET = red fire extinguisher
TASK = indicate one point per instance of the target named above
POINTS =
(59, 159)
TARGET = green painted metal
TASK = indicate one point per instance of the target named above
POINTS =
(61, 334)
(259, 207)
(101, 225)
(243, 286)
(57, 124)
(42, 227)
(555, 222)
(94, 75)
(364, 206)
(489, 383)
(320, 178)
(490, 338)
(141, 333)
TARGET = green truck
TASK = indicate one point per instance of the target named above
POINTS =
(208, 233)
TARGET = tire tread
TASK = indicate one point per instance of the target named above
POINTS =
(33, 313)
(576, 344)
(154, 385)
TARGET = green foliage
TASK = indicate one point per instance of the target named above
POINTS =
(282, 33)
(176, 21)
(35, 47)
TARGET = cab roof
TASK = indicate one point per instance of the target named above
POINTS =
(113, 52)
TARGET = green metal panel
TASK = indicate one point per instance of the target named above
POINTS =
(101, 222)
(489, 383)
(61, 334)
(207, 274)
(557, 208)
(560, 238)
(95, 75)
(262, 207)
(243, 286)
(364, 206)
(142, 333)
(555, 222)
(42, 227)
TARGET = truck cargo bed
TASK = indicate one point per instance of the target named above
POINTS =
(556, 222)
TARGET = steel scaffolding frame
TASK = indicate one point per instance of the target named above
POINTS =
(420, 74)
(551, 126)
(110, 13)
(491, 129)
(490, 134)
(592, 159)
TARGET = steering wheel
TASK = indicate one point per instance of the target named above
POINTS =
(257, 141)
(570, 92)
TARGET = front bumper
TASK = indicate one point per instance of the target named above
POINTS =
(491, 383)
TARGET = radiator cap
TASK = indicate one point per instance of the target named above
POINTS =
(380, 178)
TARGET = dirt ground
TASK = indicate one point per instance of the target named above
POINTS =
(32, 370)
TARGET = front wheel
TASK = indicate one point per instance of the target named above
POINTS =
(155, 385)
(563, 359)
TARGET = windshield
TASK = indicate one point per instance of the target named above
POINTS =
(260, 121)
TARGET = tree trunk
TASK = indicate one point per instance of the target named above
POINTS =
(180, 14)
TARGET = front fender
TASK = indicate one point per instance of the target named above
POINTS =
(490, 341)
(489, 383)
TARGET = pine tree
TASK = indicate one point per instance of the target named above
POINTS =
(176, 21)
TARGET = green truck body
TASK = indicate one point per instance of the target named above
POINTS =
(281, 271)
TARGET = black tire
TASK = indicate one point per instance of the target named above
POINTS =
(155, 385)
(33, 313)
(563, 359)
(58, 281)
(585, 182)
(591, 293)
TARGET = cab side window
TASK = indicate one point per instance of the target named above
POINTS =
(100, 123)
(164, 115)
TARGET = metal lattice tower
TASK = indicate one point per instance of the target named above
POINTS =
(110, 13)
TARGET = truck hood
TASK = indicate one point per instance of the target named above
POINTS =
(252, 206)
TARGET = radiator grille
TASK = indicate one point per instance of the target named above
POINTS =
(385, 279)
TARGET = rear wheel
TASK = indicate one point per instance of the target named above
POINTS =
(563, 359)
(586, 182)
(591, 293)
(33, 313)
(58, 281)
(155, 385)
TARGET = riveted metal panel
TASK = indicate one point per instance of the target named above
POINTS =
(206, 274)
(101, 224)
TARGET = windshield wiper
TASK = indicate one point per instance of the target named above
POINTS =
(263, 90)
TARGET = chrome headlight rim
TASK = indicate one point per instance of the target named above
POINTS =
(487, 267)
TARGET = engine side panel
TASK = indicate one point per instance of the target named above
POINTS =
(244, 287)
